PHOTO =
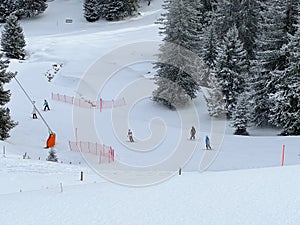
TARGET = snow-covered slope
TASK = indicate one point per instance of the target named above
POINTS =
(259, 196)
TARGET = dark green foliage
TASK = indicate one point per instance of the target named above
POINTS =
(6, 8)
(111, 10)
(21, 8)
(6, 124)
(277, 22)
(91, 10)
(232, 68)
(286, 98)
(119, 9)
(177, 75)
(241, 116)
(209, 50)
(30, 8)
(242, 14)
(13, 41)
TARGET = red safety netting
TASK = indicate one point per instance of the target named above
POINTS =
(101, 104)
(106, 153)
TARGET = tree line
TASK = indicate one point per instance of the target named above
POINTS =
(21, 8)
(110, 10)
(248, 57)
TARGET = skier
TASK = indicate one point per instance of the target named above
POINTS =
(34, 116)
(7, 113)
(193, 132)
(129, 134)
(46, 105)
(207, 143)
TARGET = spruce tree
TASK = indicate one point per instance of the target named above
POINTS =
(232, 68)
(292, 12)
(286, 110)
(215, 99)
(30, 8)
(103, 8)
(6, 8)
(206, 9)
(6, 124)
(269, 58)
(13, 41)
(241, 116)
(248, 25)
(272, 36)
(21, 8)
(243, 14)
(119, 9)
(176, 63)
(208, 53)
(91, 10)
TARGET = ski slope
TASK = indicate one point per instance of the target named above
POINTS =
(240, 182)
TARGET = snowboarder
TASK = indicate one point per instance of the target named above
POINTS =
(193, 132)
(7, 113)
(46, 105)
(207, 143)
(34, 116)
(129, 134)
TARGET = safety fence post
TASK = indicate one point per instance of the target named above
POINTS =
(101, 104)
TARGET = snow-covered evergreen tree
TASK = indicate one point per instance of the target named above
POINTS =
(269, 58)
(205, 12)
(169, 93)
(232, 68)
(6, 8)
(248, 25)
(30, 8)
(286, 110)
(209, 46)
(91, 10)
(13, 41)
(52, 156)
(103, 8)
(272, 36)
(6, 124)
(243, 14)
(240, 116)
(177, 64)
(119, 9)
(292, 12)
(215, 99)
(261, 104)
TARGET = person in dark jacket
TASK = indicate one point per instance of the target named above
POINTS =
(193, 133)
(7, 113)
(130, 135)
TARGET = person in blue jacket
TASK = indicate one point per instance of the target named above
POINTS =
(207, 143)
(46, 105)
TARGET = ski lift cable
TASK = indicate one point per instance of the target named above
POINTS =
(49, 129)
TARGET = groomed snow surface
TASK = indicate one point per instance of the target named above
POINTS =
(241, 181)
